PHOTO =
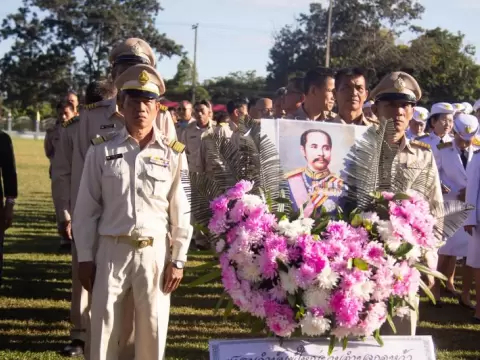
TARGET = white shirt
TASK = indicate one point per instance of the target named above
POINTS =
(128, 191)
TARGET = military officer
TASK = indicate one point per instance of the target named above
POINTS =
(416, 126)
(439, 125)
(132, 194)
(395, 96)
(314, 186)
(453, 159)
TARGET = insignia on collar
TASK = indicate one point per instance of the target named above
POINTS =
(444, 145)
(113, 157)
(177, 146)
(70, 122)
(399, 84)
(420, 144)
(143, 78)
(159, 161)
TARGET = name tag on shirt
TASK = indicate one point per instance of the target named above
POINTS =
(109, 126)
(113, 157)
(159, 161)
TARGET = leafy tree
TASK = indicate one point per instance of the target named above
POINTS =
(363, 34)
(180, 87)
(237, 84)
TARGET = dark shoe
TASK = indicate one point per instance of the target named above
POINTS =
(75, 348)
(65, 247)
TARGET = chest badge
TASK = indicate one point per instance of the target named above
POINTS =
(108, 126)
(159, 161)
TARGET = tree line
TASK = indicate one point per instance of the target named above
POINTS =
(64, 44)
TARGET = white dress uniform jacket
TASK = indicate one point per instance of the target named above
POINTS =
(127, 195)
(433, 140)
(454, 176)
(473, 198)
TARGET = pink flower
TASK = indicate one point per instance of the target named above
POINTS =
(407, 280)
(346, 308)
(240, 189)
(374, 254)
(388, 195)
(219, 204)
(280, 318)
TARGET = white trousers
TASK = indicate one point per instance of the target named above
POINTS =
(122, 269)
(80, 304)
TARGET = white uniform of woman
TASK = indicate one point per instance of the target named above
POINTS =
(473, 198)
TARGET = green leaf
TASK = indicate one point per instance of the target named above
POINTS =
(392, 325)
(426, 270)
(331, 346)
(427, 292)
(360, 264)
(412, 306)
(228, 309)
(201, 228)
(205, 266)
(257, 326)
(220, 302)
(391, 306)
(282, 200)
(401, 197)
(357, 221)
(403, 249)
(344, 343)
(217, 273)
(300, 313)
(378, 338)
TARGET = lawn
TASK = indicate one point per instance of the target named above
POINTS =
(34, 301)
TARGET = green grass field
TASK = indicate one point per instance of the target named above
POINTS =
(34, 301)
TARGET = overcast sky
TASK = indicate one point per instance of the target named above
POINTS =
(236, 35)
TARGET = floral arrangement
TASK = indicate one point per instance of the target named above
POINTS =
(338, 277)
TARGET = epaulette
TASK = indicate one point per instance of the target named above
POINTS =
(422, 137)
(177, 146)
(294, 172)
(223, 124)
(476, 141)
(70, 122)
(90, 106)
(444, 145)
(101, 139)
(420, 144)
(163, 107)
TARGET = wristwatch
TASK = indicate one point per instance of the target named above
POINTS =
(177, 264)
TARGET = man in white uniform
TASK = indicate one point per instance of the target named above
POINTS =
(132, 194)
(453, 160)
(439, 125)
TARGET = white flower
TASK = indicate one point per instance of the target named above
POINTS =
(402, 311)
(363, 290)
(329, 205)
(288, 280)
(220, 246)
(294, 229)
(385, 230)
(314, 326)
(327, 278)
(414, 255)
(307, 224)
(341, 332)
(370, 216)
(250, 271)
(316, 298)
(251, 201)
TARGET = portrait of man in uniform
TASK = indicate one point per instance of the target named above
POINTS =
(314, 185)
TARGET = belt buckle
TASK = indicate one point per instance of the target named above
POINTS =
(143, 242)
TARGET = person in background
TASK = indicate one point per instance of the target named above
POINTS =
(252, 109)
(99, 90)
(294, 96)
(416, 126)
(264, 108)
(318, 87)
(184, 117)
(72, 97)
(453, 161)
(351, 92)
(367, 110)
(440, 122)
(8, 189)
(173, 113)
(51, 144)
(459, 109)
(278, 111)
(221, 118)
(236, 109)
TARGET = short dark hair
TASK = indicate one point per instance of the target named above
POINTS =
(352, 72)
(64, 104)
(316, 77)
(99, 90)
(172, 108)
(298, 83)
(233, 105)
(303, 138)
(202, 102)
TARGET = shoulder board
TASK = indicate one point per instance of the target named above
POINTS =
(90, 106)
(294, 172)
(223, 124)
(476, 141)
(420, 144)
(444, 145)
(177, 146)
(70, 122)
(422, 137)
(101, 139)
(163, 107)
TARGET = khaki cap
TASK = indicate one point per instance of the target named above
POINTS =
(141, 80)
(397, 86)
(133, 50)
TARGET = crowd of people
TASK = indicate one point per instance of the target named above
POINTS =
(119, 167)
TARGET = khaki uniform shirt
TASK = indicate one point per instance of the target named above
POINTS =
(363, 120)
(227, 129)
(63, 174)
(179, 129)
(52, 138)
(192, 139)
(128, 191)
(300, 114)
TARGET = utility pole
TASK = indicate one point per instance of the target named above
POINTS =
(329, 35)
(194, 70)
